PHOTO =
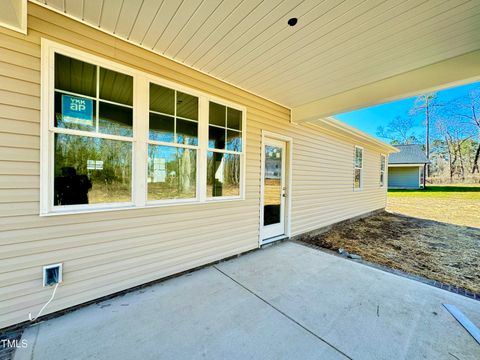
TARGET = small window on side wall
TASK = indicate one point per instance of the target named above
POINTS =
(358, 168)
(383, 160)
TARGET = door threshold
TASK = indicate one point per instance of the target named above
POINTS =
(272, 239)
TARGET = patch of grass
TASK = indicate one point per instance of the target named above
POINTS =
(440, 191)
(454, 204)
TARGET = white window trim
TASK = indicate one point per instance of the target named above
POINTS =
(139, 140)
(356, 168)
(384, 157)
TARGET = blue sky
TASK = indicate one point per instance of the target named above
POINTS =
(369, 119)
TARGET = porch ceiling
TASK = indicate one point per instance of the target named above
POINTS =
(337, 45)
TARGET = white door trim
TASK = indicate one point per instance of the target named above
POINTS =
(288, 181)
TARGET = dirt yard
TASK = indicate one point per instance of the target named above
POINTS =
(453, 204)
(438, 251)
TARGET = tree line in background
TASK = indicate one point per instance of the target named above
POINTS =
(451, 139)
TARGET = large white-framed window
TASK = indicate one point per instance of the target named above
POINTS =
(383, 167)
(113, 137)
(358, 168)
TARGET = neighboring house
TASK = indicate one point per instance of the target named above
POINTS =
(130, 151)
(406, 168)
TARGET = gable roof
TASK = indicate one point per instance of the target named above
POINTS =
(409, 154)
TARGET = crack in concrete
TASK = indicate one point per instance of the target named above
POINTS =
(283, 313)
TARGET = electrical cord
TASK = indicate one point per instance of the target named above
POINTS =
(44, 306)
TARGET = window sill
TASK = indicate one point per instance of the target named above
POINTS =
(223, 198)
(60, 212)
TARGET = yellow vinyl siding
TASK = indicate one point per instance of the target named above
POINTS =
(106, 252)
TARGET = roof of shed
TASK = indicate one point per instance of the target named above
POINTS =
(409, 154)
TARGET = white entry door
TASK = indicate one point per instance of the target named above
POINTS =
(274, 190)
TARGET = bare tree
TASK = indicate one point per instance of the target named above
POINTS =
(468, 109)
(399, 131)
(425, 104)
(453, 132)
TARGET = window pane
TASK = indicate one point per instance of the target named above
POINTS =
(91, 170)
(358, 180)
(75, 76)
(216, 114)
(358, 157)
(272, 195)
(234, 140)
(115, 119)
(161, 128)
(171, 173)
(162, 99)
(234, 119)
(223, 174)
(74, 112)
(116, 87)
(382, 163)
(187, 132)
(187, 106)
(216, 137)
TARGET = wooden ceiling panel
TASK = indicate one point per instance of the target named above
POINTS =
(337, 61)
(92, 11)
(110, 12)
(336, 46)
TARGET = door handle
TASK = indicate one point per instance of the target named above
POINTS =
(284, 193)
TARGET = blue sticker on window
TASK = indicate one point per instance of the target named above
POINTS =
(77, 110)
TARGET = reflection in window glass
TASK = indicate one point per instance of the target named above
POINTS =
(162, 99)
(224, 122)
(272, 195)
(162, 128)
(358, 157)
(182, 127)
(234, 140)
(187, 106)
(223, 174)
(116, 87)
(234, 119)
(75, 112)
(216, 115)
(91, 170)
(187, 132)
(216, 137)
(115, 119)
(75, 76)
(171, 173)
(358, 178)
(382, 170)
(357, 183)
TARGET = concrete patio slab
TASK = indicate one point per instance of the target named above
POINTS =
(283, 302)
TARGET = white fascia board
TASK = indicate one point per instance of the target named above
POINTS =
(13, 15)
(452, 72)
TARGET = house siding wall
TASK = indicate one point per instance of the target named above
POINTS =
(403, 177)
(111, 251)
